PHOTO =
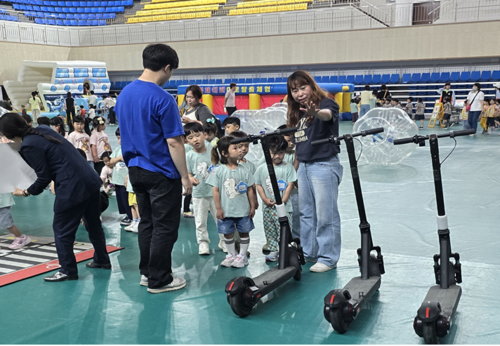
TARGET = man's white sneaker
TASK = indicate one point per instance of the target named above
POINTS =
(228, 261)
(130, 228)
(203, 249)
(320, 268)
(144, 281)
(240, 262)
(175, 285)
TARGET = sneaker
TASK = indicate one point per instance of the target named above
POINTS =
(175, 285)
(320, 268)
(135, 229)
(188, 215)
(144, 281)
(125, 221)
(228, 261)
(130, 227)
(272, 257)
(203, 249)
(240, 261)
(222, 246)
(20, 242)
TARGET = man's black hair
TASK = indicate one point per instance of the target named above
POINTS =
(43, 121)
(157, 56)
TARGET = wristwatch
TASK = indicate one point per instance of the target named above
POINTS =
(26, 193)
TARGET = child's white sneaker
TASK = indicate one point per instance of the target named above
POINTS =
(130, 228)
(203, 248)
(228, 261)
(240, 261)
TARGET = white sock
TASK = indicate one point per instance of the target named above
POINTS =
(245, 242)
(230, 246)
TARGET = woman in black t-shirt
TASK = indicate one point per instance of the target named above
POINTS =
(70, 111)
(319, 171)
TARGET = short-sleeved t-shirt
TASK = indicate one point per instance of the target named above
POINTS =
(317, 129)
(148, 116)
(92, 100)
(187, 148)
(81, 141)
(230, 95)
(285, 175)
(100, 140)
(35, 104)
(106, 172)
(198, 164)
(120, 170)
(249, 165)
(233, 185)
(6, 200)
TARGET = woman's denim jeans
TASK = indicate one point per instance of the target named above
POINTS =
(363, 110)
(473, 116)
(319, 215)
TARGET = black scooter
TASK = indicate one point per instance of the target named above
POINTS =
(244, 292)
(342, 306)
(435, 316)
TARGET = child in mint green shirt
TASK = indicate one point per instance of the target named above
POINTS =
(232, 187)
(286, 176)
(199, 166)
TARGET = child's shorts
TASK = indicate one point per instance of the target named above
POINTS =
(227, 226)
(419, 117)
(490, 121)
(446, 116)
(6, 220)
(132, 199)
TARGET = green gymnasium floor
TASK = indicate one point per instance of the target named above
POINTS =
(110, 307)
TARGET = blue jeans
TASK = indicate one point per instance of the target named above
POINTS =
(363, 110)
(473, 116)
(319, 215)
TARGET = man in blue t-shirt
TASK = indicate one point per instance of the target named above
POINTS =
(153, 150)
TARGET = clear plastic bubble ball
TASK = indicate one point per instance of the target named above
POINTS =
(255, 122)
(379, 149)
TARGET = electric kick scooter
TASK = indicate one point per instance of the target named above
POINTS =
(342, 306)
(244, 292)
(435, 316)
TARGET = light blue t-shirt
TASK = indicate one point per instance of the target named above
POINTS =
(233, 185)
(148, 116)
(6, 200)
(198, 164)
(187, 148)
(120, 170)
(285, 175)
(249, 165)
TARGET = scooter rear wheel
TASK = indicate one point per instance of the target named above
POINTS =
(337, 320)
(241, 302)
(430, 333)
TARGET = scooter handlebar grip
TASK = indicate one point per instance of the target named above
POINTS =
(463, 132)
(240, 140)
(321, 141)
(372, 131)
(287, 130)
(403, 141)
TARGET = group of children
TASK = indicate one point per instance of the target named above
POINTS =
(226, 184)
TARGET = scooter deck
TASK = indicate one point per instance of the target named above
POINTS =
(273, 278)
(448, 299)
(362, 290)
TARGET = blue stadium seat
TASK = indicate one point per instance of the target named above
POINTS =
(376, 79)
(367, 79)
(342, 79)
(211, 81)
(77, 16)
(82, 23)
(99, 15)
(279, 80)
(464, 76)
(59, 3)
(270, 80)
(75, 4)
(84, 16)
(36, 8)
(62, 16)
(179, 82)
(334, 79)
(485, 76)
(104, 3)
(386, 78)
(474, 76)
(406, 78)
(394, 78)
(415, 78)
(495, 76)
(248, 80)
(227, 81)
(53, 3)
(218, 81)
(317, 79)
(59, 22)
(191, 82)
(94, 9)
(240, 81)
(88, 9)
(262, 80)
(325, 79)
(91, 16)
(65, 9)
(80, 10)
(445, 77)
(454, 77)
(205, 81)
(358, 79)
(94, 22)
(426, 77)
(74, 22)
(67, 22)
(350, 79)
(435, 77)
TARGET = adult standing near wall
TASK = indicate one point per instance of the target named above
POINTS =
(319, 171)
(77, 188)
(230, 99)
(35, 104)
(92, 99)
(153, 150)
(70, 111)
(384, 93)
(475, 100)
(109, 104)
(366, 97)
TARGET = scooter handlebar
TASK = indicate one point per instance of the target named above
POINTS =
(417, 138)
(462, 133)
(405, 140)
(372, 131)
(285, 131)
(321, 141)
(240, 140)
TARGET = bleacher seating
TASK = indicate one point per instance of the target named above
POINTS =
(4, 15)
(70, 13)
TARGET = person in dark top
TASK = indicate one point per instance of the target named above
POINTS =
(77, 188)
(316, 116)
(70, 111)
(384, 93)
(196, 110)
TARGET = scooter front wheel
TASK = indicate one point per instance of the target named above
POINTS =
(429, 331)
(337, 320)
(241, 302)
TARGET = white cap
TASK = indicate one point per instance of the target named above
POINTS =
(497, 85)
(358, 94)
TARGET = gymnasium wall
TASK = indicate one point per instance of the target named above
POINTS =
(446, 41)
